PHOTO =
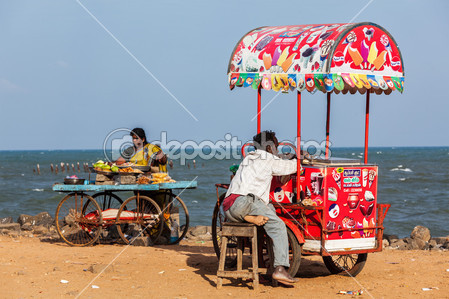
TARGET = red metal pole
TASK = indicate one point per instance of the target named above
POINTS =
(366, 127)
(298, 149)
(327, 123)
(259, 108)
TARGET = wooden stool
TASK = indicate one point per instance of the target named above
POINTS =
(240, 230)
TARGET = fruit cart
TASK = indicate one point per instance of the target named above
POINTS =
(81, 219)
(330, 206)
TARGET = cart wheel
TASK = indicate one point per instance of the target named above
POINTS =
(139, 218)
(178, 211)
(294, 253)
(347, 265)
(217, 219)
(267, 254)
(78, 219)
(108, 200)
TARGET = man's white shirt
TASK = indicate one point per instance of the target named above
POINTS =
(256, 172)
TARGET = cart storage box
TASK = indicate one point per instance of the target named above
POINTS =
(125, 179)
(102, 179)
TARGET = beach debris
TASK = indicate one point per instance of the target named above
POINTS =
(354, 293)
(429, 289)
(95, 287)
(97, 268)
(182, 269)
(64, 281)
(162, 272)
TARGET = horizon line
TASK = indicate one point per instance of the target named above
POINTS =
(334, 147)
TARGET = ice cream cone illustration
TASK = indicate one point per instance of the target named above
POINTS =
(364, 51)
(267, 61)
(276, 82)
(380, 60)
(284, 79)
(288, 62)
(283, 56)
(364, 81)
(276, 55)
(356, 80)
(372, 53)
(371, 177)
(337, 178)
(355, 55)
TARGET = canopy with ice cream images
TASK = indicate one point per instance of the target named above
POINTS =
(327, 57)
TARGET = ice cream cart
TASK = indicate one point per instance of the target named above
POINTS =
(332, 209)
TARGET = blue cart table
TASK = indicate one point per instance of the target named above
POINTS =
(81, 218)
(134, 187)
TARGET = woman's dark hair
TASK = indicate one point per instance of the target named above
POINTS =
(139, 132)
(264, 139)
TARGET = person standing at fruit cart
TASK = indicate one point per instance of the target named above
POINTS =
(143, 153)
(247, 198)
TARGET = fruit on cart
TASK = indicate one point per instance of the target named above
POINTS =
(105, 167)
(99, 164)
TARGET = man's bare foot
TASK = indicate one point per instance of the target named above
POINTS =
(257, 220)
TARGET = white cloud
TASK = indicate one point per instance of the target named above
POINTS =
(62, 63)
(6, 85)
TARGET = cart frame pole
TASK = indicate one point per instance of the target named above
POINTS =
(366, 127)
(259, 108)
(327, 123)
(298, 148)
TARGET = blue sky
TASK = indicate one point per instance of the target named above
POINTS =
(65, 83)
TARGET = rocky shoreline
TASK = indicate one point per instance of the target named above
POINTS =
(43, 226)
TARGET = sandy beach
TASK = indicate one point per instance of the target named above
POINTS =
(36, 268)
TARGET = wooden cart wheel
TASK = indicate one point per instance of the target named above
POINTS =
(78, 219)
(218, 218)
(294, 253)
(139, 217)
(347, 265)
(108, 200)
(178, 212)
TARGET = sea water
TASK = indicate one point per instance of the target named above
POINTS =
(413, 180)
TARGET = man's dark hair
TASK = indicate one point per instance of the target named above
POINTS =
(139, 132)
(264, 139)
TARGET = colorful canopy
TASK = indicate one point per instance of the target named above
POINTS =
(326, 57)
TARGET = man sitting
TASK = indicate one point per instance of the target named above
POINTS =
(247, 197)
